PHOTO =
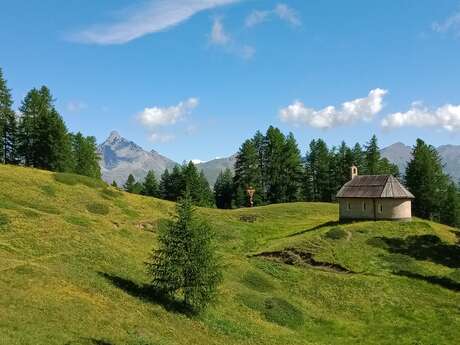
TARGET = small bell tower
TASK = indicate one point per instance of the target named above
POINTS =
(354, 171)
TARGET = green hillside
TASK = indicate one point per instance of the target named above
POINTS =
(71, 272)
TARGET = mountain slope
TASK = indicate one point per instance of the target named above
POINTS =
(213, 167)
(401, 154)
(72, 253)
(398, 154)
(121, 157)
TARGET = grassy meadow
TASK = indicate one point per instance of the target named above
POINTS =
(72, 253)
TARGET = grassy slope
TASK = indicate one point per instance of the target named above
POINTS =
(71, 272)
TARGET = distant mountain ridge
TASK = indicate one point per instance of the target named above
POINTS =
(121, 157)
(401, 154)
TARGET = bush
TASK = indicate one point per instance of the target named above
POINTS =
(336, 234)
(98, 208)
(283, 313)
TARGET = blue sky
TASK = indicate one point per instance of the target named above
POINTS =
(193, 78)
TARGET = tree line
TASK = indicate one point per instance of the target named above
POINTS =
(37, 136)
(273, 165)
(183, 179)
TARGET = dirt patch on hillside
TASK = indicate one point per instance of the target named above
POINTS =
(297, 257)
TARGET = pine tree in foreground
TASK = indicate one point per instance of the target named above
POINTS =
(185, 263)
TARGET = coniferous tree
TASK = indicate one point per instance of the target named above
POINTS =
(192, 183)
(114, 184)
(85, 159)
(372, 157)
(260, 143)
(44, 141)
(165, 187)
(450, 210)
(130, 184)
(426, 180)
(8, 125)
(177, 183)
(185, 263)
(318, 166)
(387, 168)
(293, 171)
(247, 174)
(150, 185)
(223, 190)
(358, 157)
(341, 161)
(207, 196)
(274, 159)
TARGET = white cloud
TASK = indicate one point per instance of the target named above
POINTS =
(197, 161)
(220, 37)
(76, 106)
(154, 16)
(361, 109)
(451, 24)
(282, 11)
(157, 116)
(446, 117)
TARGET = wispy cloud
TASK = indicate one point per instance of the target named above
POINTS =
(446, 117)
(218, 34)
(220, 37)
(161, 137)
(450, 24)
(282, 11)
(361, 109)
(76, 106)
(151, 17)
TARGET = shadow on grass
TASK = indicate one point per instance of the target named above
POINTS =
(424, 247)
(441, 281)
(148, 294)
(317, 227)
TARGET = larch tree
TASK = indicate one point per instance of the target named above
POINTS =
(185, 264)
(150, 185)
(426, 180)
(292, 170)
(8, 125)
(247, 174)
(85, 159)
(372, 157)
(223, 190)
(44, 141)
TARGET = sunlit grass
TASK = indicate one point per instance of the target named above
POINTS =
(72, 253)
